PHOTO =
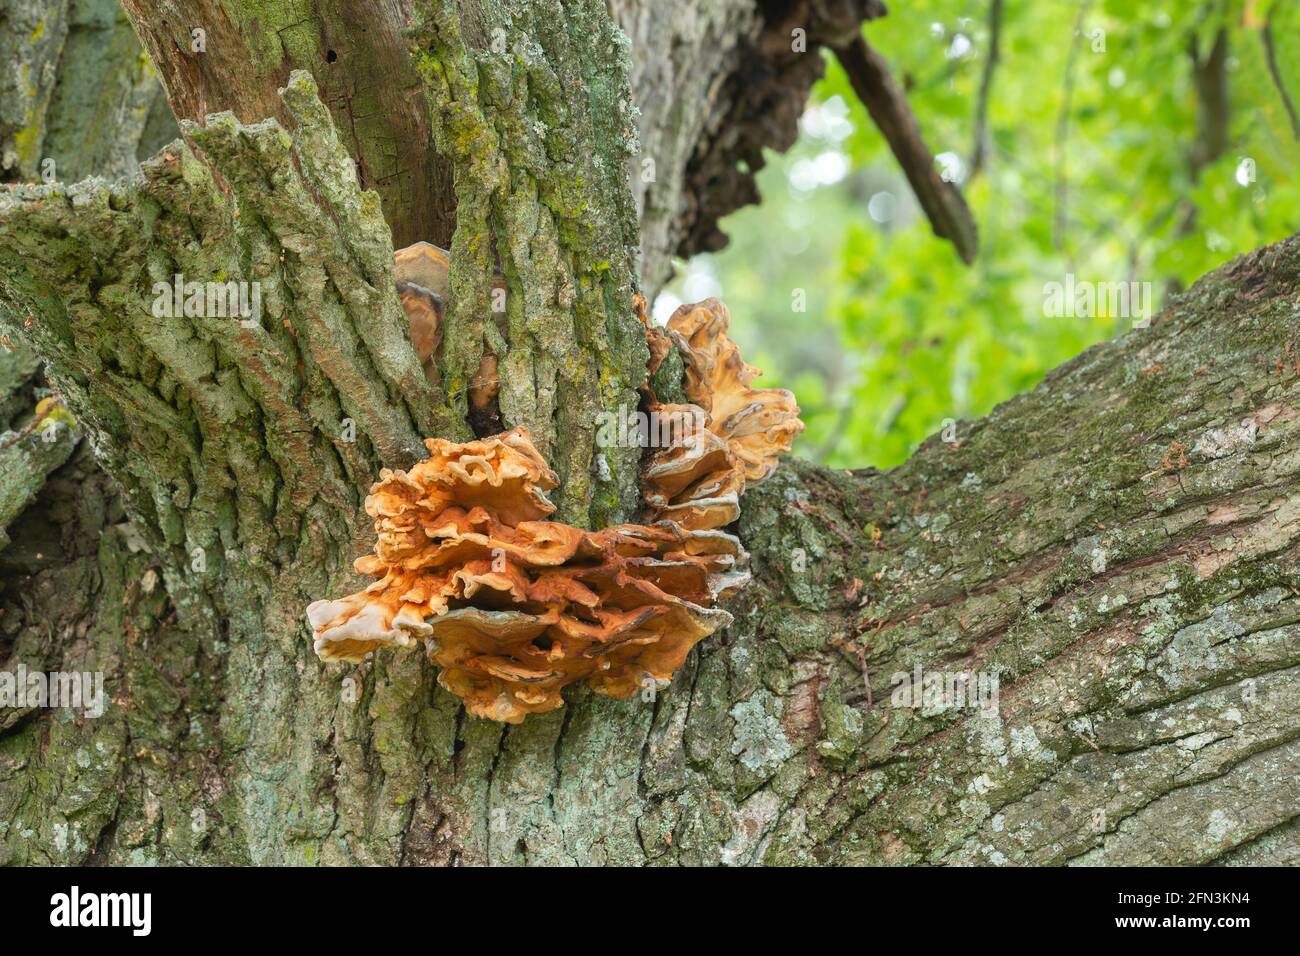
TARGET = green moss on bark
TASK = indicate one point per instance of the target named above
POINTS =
(531, 103)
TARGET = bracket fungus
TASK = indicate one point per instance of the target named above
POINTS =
(513, 607)
(729, 436)
(758, 424)
(422, 272)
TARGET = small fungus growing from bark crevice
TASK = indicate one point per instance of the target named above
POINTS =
(422, 272)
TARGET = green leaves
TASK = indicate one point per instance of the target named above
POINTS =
(898, 336)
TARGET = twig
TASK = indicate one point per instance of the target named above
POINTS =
(1271, 56)
(1212, 105)
(949, 216)
(980, 150)
(36, 422)
(1211, 78)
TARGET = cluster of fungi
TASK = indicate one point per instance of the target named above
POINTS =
(512, 607)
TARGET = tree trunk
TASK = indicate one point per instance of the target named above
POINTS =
(1116, 549)
(214, 57)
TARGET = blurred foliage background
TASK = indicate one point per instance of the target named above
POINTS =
(1103, 158)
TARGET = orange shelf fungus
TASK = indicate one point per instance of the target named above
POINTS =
(729, 436)
(696, 479)
(512, 607)
(423, 272)
(758, 424)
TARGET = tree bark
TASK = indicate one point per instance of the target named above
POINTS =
(1117, 548)
(77, 99)
(718, 83)
(244, 52)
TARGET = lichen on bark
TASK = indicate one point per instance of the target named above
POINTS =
(234, 56)
(77, 96)
(232, 440)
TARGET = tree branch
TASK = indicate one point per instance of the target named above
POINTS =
(1210, 74)
(715, 91)
(1270, 56)
(1213, 109)
(949, 216)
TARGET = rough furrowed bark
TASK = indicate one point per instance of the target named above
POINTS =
(232, 438)
(36, 437)
(1118, 548)
(79, 99)
(81, 594)
(532, 105)
(30, 43)
(26, 458)
(234, 56)
(89, 279)
(716, 83)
